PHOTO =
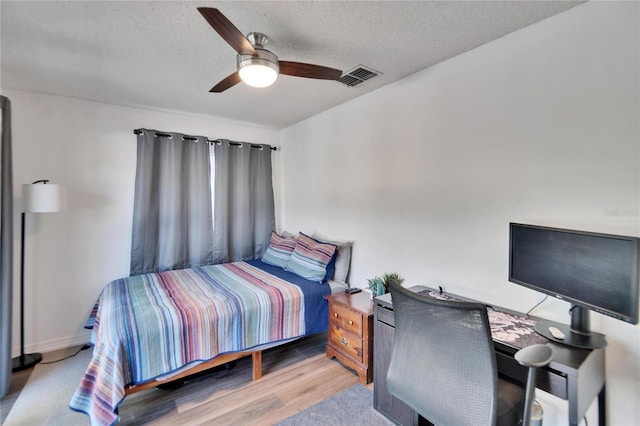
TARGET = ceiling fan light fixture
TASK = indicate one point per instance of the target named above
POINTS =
(261, 71)
(256, 66)
(257, 75)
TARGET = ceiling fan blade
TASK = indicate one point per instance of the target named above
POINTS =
(227, 83)
(299, 69)
(227, 30)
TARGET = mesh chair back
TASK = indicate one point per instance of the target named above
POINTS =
(443, 363)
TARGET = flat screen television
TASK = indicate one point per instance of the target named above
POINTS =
(593, 271)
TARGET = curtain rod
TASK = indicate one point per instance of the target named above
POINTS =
(193, 138)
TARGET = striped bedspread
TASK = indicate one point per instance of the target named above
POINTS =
(151, 325)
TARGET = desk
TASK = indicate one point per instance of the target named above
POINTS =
(575, 375)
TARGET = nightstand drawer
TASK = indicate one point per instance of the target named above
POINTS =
(346, 342)
(346, 318)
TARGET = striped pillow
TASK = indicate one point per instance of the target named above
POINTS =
(310, 258)
(279, 250)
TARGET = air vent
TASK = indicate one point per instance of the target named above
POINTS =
(358, 75)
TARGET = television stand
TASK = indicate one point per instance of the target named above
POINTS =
(591, 340)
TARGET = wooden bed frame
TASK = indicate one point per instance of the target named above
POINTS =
(256, 357)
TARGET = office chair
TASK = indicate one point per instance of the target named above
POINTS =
(444, 367)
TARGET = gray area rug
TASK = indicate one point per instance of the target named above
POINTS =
(353, 407)
(44, 400)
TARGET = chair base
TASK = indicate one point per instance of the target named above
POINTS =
(25, 361)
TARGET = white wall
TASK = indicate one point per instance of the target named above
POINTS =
(424, 175)
(91, 149)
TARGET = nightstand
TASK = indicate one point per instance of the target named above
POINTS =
(350, 336)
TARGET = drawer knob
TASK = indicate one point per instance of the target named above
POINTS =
(335, 315)
(350, 322)
(343, 341)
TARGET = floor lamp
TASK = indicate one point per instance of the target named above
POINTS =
(38, 197)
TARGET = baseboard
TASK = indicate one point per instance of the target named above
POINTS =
(54, 344)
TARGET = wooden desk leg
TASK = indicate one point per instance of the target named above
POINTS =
(602, 406)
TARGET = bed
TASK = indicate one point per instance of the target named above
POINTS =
(154, 328)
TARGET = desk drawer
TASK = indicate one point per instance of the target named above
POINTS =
(345, 342)
(385, 315)
(548, 380)
(346, 318)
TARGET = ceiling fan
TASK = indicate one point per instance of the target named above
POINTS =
(257, 66)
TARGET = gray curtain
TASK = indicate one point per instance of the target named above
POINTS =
(244, 213)
(6, 247)
(172, 223)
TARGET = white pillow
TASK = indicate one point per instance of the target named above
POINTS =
(343, 259)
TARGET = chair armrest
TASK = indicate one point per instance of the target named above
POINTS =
(534, 356)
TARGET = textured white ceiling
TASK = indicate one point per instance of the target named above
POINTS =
(163, 54)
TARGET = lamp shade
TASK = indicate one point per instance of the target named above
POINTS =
(42, 198)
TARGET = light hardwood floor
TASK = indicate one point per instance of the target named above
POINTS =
(296, 376)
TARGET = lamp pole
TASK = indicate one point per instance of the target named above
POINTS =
(24, 361)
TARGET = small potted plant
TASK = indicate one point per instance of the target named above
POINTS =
(380, 285)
